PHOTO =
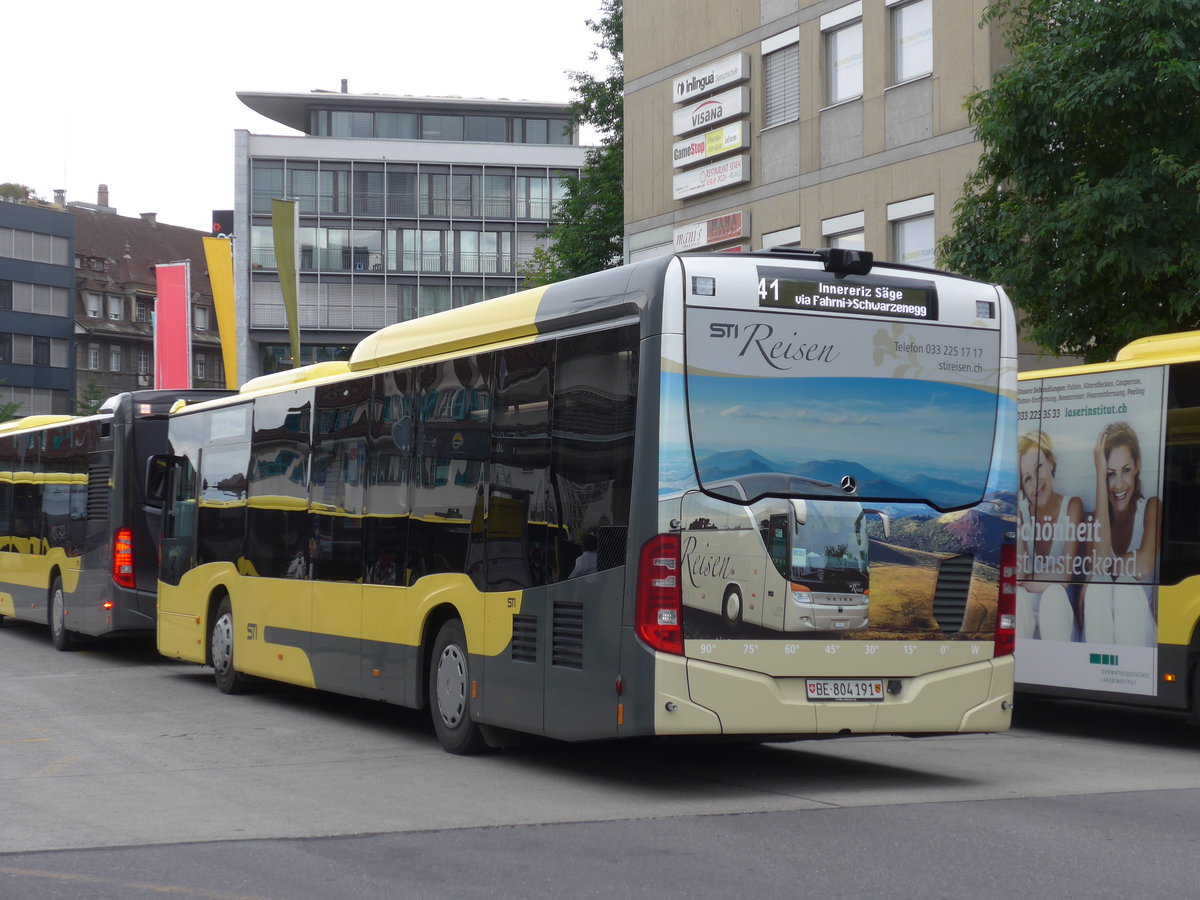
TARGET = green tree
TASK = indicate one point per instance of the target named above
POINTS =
(587, 226)
(1084, 202)
(17, 192)
(88, 403)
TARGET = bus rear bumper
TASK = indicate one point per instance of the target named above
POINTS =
(696, 697)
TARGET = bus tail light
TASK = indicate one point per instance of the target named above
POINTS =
(122, 560)
(1006, 609)
(659, 617)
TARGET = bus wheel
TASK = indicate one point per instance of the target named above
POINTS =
(60, 636)
(220, 643)
(449, 691)
(731, 606)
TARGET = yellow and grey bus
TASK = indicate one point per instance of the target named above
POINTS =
(484, 511)
(1109, 533)
(78, 540)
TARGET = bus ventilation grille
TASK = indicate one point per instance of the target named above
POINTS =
(567, 646)
(953, 587)
(97, 491)
(524, 639)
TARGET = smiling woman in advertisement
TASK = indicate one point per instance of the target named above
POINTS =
(1116, 610)
(1051, 529)
(1128, 533)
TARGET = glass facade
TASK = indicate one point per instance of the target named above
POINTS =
(495, 129)
(383, 242)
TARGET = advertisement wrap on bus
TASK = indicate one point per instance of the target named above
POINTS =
(863, 417)
(1090, 451)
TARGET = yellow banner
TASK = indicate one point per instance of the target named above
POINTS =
(218, 253)
(285, 227)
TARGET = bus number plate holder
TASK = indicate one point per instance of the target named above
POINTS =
(845, 690)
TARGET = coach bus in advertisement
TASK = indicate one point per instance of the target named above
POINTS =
(496, 512)
(1109, 537)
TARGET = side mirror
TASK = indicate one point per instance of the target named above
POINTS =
(158, 467)
(883, 517)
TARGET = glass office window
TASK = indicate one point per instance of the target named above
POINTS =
(912, 40)
(487, 128)
(442, 128)
(844, 62)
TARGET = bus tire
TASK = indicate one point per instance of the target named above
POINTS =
(220, 645)
(731, 606)
(60, 636)
(449, 691)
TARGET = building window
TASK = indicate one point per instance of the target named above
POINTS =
(533, 197)
(368, 193)
(143, 310)
(401, 194)
(847, 232)
(467, 199)
(912, 230)
(115, 302)
(94, 357)
(114, 358)
(201, 366)
(498, 196)
(487, 128)
(442, 128)
(396, 125)
(92, 303)
(435, 195)
(843, 36)
(41, 351)
(347, 124)
(781, 78)
(6, 294)
(266, 179)
(200, 318)
(143, 361)
(6, 347)
(912, 40)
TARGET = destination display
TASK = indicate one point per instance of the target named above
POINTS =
(864, 295)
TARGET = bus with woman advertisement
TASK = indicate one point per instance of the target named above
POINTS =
(1109, 540)
(530, 472)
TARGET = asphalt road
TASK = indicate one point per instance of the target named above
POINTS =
(124, 775)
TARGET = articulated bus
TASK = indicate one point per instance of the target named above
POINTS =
(492, 511)
(1109, 529)
(78, 541)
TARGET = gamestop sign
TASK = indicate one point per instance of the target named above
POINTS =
(713, 143)
(718, 108)
(711, 178)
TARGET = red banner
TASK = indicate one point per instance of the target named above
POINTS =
(172, 327)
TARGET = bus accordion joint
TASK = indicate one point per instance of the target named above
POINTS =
(659, 595)
(1006, 607)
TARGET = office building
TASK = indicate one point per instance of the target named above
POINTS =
(407, 206)
(37, 248)
(806, 123)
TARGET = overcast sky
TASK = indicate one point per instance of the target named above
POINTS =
(141, 95)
